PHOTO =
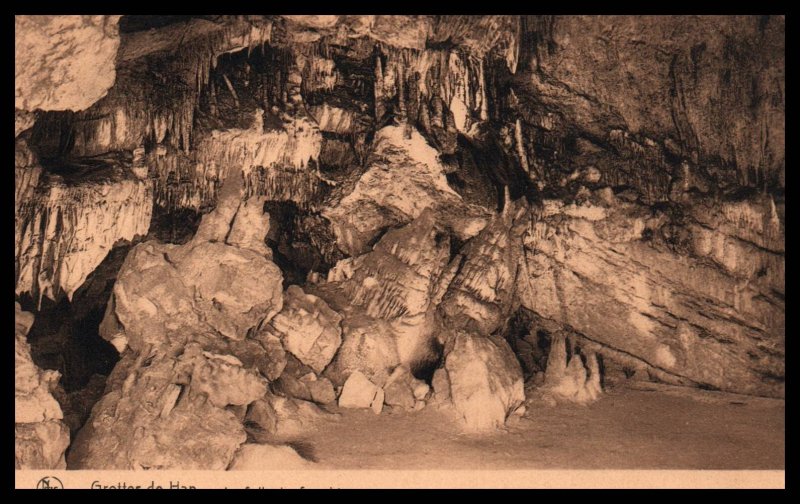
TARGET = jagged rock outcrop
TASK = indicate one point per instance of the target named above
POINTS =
(40, 435)
(69, 224)
(699, 300)
(169, 413)
(481, 295)
(183, 324)
(404, 178)
(63, 62)
(387, 300)
(485, 380)
(309, 329)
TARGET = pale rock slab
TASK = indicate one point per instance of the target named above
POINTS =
(707, 309)
(358, 392)
(264, 457)
(486, 382)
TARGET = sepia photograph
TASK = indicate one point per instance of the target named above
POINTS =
(399, 251)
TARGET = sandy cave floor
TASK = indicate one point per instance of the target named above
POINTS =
(638, 426)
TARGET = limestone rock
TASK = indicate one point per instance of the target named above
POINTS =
(264, 457)
(367, 347)
(241, 290)
(571, 380)
(386, 297)
(441, 385)
(308, 328)
(275, 419)
(250, 226)
(63, 62)
(168, 414)
(40, 445)
(485, 380)
(399, 388)
(40, 436)
(480, 296)
(677, 306)
(377, 403)
(404, 178)
(66, 229)
(358, 392)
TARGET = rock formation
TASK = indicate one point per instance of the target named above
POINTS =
(261, 220)
(41, 438)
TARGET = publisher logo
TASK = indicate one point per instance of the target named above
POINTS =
(49, 483)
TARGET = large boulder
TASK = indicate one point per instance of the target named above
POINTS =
(359, 392)
(485, 378)
(63, 62)
(170, 413)
(405, 176)
(277, 419)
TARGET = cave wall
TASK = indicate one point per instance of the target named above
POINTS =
(620, 178)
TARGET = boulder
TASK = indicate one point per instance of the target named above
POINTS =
(250, 226)
(358, 392)
(399, 388)
(404, 177)
(274, 418)
(264, 457)
(486, 381)
(309, 329)
(168, 413)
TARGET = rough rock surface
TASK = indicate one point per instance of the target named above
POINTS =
(485, 380)
(40, 435)
(65, 230)
(309, 329)
(169, 413)
(63, 62)
(280, 419)
(481, 295)
(708, 89)
(404, 177)
(358, 392)
(264, 457)
(387, 299)
(701, 301)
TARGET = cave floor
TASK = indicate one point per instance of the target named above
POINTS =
(636, 426)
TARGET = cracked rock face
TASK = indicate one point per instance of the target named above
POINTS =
(715, 324)
(63, 62)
